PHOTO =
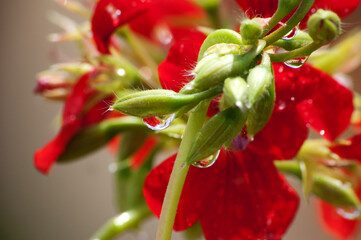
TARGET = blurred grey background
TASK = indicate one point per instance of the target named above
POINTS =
(75, 199)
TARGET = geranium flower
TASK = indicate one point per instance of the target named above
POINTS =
(75, 117)
(241, 196)
(304, 98)
(261, 8)
(143, 16)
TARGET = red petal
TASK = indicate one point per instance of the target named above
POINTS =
(329, 110)
(250, 200)
(176, 69)
(73, 119)
(232, 198)
(283, 135)
(111, 14)
(352, 151)
(336, 225)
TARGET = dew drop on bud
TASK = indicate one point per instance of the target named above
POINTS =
(208, 161)
(296, 62)
(322, 132)
(291, 34)
(159, 123)
(349, 213)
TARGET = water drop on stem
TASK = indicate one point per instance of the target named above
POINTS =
(159, 123)
(208, 161)
(296, 62)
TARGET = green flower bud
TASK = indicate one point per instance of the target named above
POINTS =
(220, 36)
(261, 95)
(213, 69)
(329, 189)
(235, 92)
(221, 127)
(324, 26)
(159, 102)
(251, 31)
(226, 48)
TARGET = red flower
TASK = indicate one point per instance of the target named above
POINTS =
(304, 97)
(143, 15)
(266, 8)
(241, 196)
(75, 117)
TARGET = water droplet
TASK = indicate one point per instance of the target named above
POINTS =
(281, 105)
(291, 34)
(163, 34)
(121, 72)
(208, 161)
(159, 123)
(113, 167)
(350, 213)
(322, 132)
(114, 13)
(296, 62)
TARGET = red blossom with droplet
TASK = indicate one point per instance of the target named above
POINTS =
(74, 118)
(241, 196)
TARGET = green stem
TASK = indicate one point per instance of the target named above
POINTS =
(300, 52)
(291, 23)
(125, 221)
(276, 18)
(179, 173)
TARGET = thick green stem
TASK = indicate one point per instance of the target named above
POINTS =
(124, 221)
(179, 173)
(291, 23)
(300, 52)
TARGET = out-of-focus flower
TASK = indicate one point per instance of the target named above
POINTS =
(155, 19)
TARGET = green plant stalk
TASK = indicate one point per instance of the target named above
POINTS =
(300, 52)
(124, 221)
(179, 173)
(300, 13)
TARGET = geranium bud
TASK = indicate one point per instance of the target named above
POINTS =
(220, 36)
(225, 48)
(334, 191)
(324, 26)
(159, 102)
(329, 189)
(213, 69)
(221, 127)
(235, 92)
(261, 95)
(251, 31)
